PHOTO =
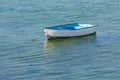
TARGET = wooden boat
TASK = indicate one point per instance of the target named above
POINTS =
(69, 30)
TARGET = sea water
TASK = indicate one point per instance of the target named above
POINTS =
(26, 54)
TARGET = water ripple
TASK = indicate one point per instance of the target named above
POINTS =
(25, 54)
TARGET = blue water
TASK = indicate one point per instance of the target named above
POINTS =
(25, 53)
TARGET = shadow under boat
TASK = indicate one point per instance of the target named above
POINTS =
(69, 41)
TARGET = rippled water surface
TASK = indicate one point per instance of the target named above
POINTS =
(25, 53)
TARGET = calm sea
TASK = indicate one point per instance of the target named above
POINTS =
(25, 53)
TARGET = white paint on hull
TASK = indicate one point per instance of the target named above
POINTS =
(53, 33)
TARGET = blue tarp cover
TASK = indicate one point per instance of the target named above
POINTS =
(67, 26)
(73, 26)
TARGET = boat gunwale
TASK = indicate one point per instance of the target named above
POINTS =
(50, 28)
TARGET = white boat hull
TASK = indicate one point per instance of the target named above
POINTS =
(53, 33)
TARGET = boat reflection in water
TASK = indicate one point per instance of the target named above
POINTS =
(68, 43)
(65, 56)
